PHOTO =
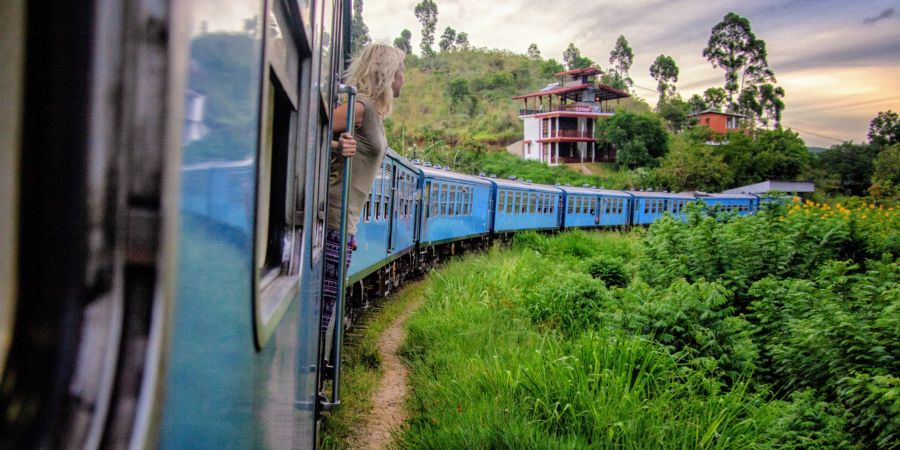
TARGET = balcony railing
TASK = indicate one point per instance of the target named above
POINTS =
(596, 109)
(568, 134)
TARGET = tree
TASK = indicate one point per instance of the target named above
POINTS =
(427, 12)
(697, 103)
(675, 112)
(846, 168)
(621, 58)
(462, 41)
(693, 166)
(573, 59)
(359, 31)
(403, 42)
(639, 139)
(886, 173)
(734, 47)
(448, 40)
(533, 52)
(771, 103)
(884, 129)
(714, 98)
(665, 72)
(550, 68)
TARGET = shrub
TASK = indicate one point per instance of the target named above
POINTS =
(609, 269)
(568, 301)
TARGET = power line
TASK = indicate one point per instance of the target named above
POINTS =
(816, 134)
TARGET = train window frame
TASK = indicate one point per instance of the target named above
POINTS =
(501, 202)
(570, 204)
(278, 229)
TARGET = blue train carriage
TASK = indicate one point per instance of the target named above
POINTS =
(647, 207)
(168, 317)
(525, 206)
(580, 207)
(455, 207)
(741, 204)
(614, 207)
(387, 229)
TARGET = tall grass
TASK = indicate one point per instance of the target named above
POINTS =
(488, 370)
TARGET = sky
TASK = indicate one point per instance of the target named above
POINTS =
(838, 61)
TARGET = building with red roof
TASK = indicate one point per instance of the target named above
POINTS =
(559, 120)
(720, 122)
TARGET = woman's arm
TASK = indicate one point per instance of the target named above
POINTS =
(339, 124)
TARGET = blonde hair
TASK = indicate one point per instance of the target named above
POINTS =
(373, 71)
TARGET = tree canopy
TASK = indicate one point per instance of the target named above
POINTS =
(448, 40)
(665, 72)
(884, 129)
(639, 139)
(533, 51)
(427, 12)
(621, 57)
(359, 31)
(403, 42)
(573, 59)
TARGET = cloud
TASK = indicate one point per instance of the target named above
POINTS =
(886, 14)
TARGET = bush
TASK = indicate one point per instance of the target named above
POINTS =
(568, 301)
(609, 269)
(838, 334)
(693, 321)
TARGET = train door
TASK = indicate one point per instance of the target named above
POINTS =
(394, 206)
(427, 209)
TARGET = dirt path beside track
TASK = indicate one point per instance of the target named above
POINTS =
(388, 401)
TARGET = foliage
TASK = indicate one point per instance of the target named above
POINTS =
(403, 42)
(639, 139)
(806, 421)
(693, 321)
(448, 40)
(693, 166)
(734, 47)
(665, 72)
(771, 103)
(845, 168)
(715, 98)
(533, 51)
(675, 112)
(462, 41)
(573, 59)
(765, 155)
(838, 333)
(610, 270)
(886, 174)
(359, 31)
(426, 12)
(621, 57)
(884, 129)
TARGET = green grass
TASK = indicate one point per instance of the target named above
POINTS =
(523, 348)
(361, 372)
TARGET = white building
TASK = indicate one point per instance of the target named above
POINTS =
(559, 120)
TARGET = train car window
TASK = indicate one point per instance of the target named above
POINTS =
(501, 201)
(444, 190)
(570, 204)
(593, 206)
(387, 191)
(523, 204)
(451, 204)
(509, 202)
(435, 199)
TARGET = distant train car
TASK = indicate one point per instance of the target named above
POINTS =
(581, 207)
(455, 206)
(525, 206)
(387, 227)
(742, 204)
(614, 207)
(649, 206)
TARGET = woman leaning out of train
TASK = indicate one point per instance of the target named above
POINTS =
(377, 74)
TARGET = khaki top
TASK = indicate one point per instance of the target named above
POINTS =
(371, 146)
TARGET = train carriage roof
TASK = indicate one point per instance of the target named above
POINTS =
(593, 191)
(516, 184)
(437, 173)
(674, 195)
(402, 160)
(728, 196)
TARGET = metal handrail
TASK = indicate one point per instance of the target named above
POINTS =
(342, 256)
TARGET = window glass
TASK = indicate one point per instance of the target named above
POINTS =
(570, 205)
(593, 210)
(501, 201)
(523, 204)
(451, 208)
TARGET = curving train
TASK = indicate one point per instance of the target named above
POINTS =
(162, 220)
